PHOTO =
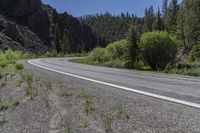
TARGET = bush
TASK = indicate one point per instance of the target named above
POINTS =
(195, 53)
(118, 49)
(99, 55)
(3, 64)
(158, 49)
(19, 66)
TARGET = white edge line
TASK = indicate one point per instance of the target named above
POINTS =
(195, 105)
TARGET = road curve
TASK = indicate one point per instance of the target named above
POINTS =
(175, 88)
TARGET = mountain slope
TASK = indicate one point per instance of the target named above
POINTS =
(29, 25)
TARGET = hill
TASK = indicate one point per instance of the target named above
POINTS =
(29, 25)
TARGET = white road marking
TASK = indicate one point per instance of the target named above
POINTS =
(191, 104)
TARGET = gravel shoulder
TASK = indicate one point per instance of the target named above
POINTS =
(62, 104)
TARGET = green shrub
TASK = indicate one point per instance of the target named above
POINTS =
(116, 63)
(158, 49)
(19, 66)
(118, 49)
(195, 53)
(3, 64)
(12, 55)
(184, 68)
(99, 55)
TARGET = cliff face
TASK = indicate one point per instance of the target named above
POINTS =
(29, 25)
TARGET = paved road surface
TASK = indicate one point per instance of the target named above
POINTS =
(179, 89)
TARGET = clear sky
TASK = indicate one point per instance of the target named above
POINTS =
(86, 7)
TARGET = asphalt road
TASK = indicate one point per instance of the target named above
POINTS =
(183, 90)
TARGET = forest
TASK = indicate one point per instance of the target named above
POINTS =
(166, 39)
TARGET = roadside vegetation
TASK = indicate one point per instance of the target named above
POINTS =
(167, 41)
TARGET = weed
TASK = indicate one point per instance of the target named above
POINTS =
(48, 85)
(65, 93)
(27, 76)
(29, 89)
(67, 127)
(85, 123)
(1, 75)
(87, 104)
(3, 64)
(19, 82)
(19, 66)
(9, 70)
(107, 123)
(121, 111)
(3, 104)
(2, 82)
(15, 101)
(2, 120)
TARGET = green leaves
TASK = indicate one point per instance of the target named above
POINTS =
(158, 49)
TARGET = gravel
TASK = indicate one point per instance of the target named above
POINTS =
(58, 107)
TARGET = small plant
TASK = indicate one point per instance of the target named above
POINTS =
(2, 120)
(46, 101)
(67, 128)
(3, 104)
(85, 123)
(107, 123)
(19, 66)
(27, 76)
(2, 82)
(19, 82)
(29, 89)
(1, 75)
(15, 101)
(121, 111)
(3, 64)
(48, 85)
(87, 104)
(65, 93)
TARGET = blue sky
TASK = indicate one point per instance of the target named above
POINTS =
(86, 7)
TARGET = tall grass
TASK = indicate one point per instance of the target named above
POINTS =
(184, 68)
(11, 57)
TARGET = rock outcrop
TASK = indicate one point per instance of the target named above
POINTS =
(29, 25)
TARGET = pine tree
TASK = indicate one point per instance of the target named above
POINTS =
(165, 7)
(171, 16)
(79, 48)
(57, 39)
(181, 28)
(158, 25)
(133, 46)
(148, 19)
(66, 48)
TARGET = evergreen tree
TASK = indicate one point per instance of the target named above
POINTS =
(57, 39)
(165, 7)
(171, 16)
(66, 48)
(158, 25)
(188, 27)
(148, 19)
(79, 48)
(133, 46)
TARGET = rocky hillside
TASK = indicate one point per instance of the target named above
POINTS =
(28, 25)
